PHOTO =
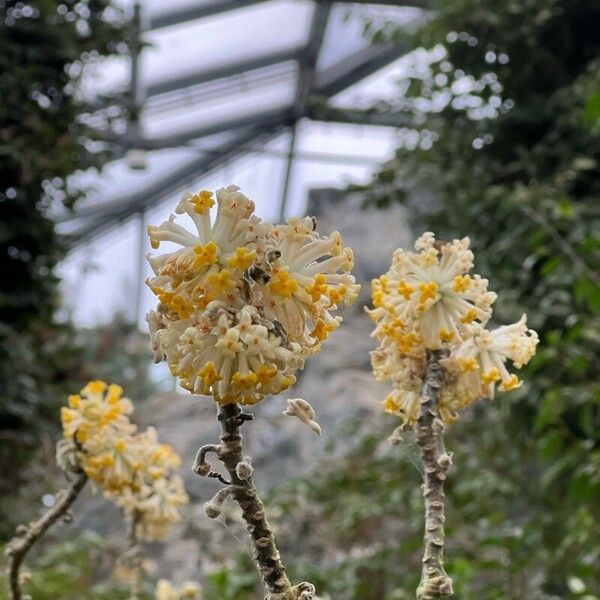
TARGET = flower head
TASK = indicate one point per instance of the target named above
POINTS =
(243, 303)
(134, 470)
(428, 300)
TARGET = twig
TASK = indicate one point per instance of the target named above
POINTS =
(241, 487)
(27, 535)
(435, 583)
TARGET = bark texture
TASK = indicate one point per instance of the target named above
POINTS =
(435, 583)
(241, 487)
(27, 535)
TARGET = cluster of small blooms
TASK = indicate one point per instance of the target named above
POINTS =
(188, 590)
(243, 303)
(132, 469)
(428, 301)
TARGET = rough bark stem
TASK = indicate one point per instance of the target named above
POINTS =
(435, 583)
(268, 560)
(27, 535)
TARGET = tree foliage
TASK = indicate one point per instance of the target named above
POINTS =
(503, 146)
(44, 47)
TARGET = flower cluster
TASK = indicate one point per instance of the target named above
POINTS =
(165, 590)
(243, 303)
(132, 469)
(429, 301)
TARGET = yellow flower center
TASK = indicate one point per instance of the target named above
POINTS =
(283, 285)
(205, 255)
(510, 384)
(428, 291)
(202, 201)
(208, 374)
(317, 288)
(264, 374)
(446, 335)
(461, 283)
(405, 290)
(322, 330)
(221, 282)
(469, 316)
(490, 376)
(94, 387)
(242, 259)
(75, 401)
(468, 364)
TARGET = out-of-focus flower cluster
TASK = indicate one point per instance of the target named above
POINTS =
(429, 301)
(133, 469)
(243, 303)
(188, 590)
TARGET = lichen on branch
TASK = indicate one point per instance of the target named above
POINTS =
(429, 430)
(242, 489)
(27, 535)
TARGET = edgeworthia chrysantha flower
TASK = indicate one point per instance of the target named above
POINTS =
(427, 301)
(243, 303)
(431, 319)
(133, 469)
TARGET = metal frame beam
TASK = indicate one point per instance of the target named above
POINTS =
(319, 110)
(356, 67)
(115, 212)
(327, 84)
(199, 10)
(224, 71)
(304, 87)
(280, 116)
(308, 65)
(397, 3)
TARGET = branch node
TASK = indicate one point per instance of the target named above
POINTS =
(201, 466)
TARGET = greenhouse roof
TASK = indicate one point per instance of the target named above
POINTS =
(219, 79)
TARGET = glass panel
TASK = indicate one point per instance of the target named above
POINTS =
(236, 101)
(226, 38)
(344, 34)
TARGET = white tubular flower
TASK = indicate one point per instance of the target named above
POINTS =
(307, 277)
(429, 295)
(96, 408)
(482, 356)
(428, 301)
(153, 494)
(157, 505)
(302, 410)
(243, 303)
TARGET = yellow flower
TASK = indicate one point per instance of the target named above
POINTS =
(205, 255)
(283, 285)
(242, 259)
(202, 201)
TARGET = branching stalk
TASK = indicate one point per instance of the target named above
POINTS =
(435, 583)
(241, 487)
(27, 535)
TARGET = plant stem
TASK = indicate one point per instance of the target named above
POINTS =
(268, 560)
(435, 583)
(27, 535)
(135, 556)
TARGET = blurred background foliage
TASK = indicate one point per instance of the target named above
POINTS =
(44, 47)
(502, 143)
